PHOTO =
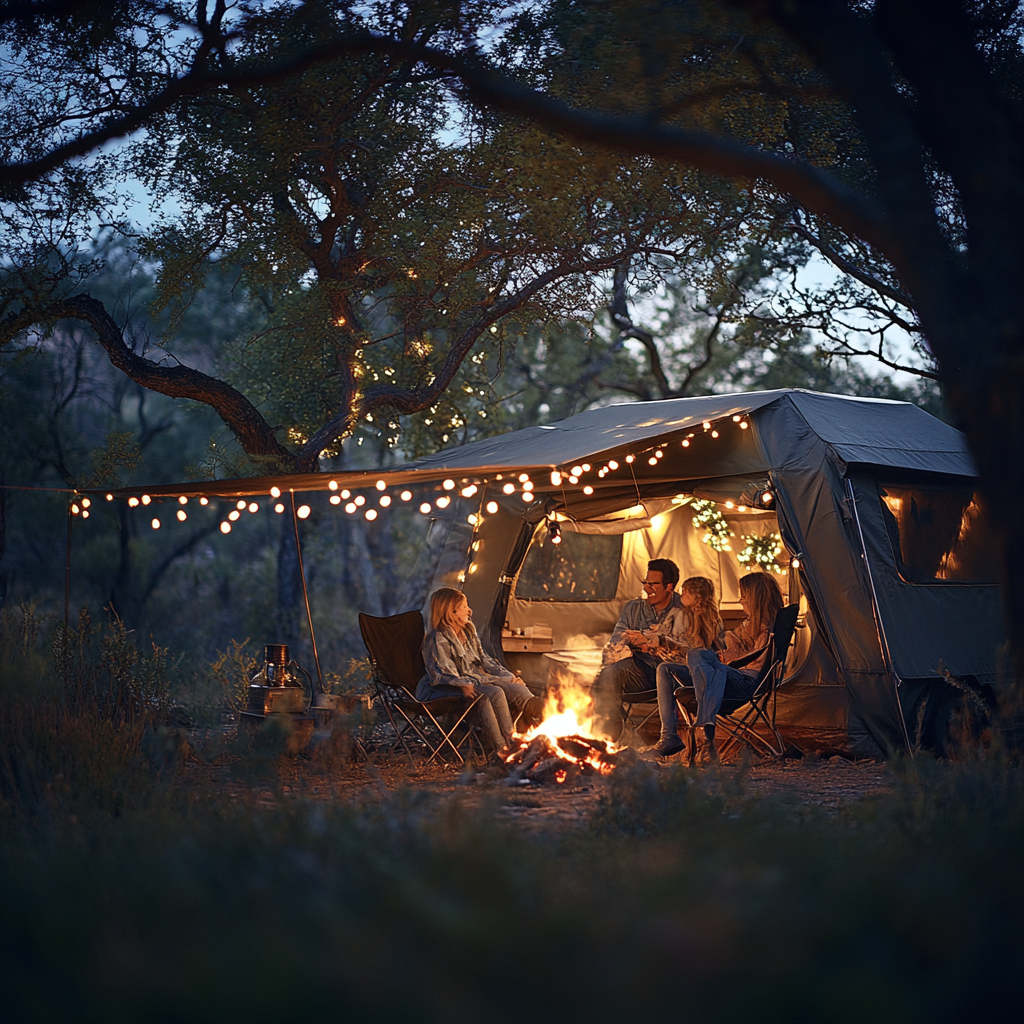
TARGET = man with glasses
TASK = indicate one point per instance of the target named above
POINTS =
(636, 639)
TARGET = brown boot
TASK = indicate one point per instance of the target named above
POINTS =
(533, 713)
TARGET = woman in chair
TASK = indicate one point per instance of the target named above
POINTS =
(457, 665)
(713, 678)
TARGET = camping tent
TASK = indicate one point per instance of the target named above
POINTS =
(883, 536)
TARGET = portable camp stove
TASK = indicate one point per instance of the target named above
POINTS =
(277, 691)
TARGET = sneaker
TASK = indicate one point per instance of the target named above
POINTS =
(707, 754)
(667, 747)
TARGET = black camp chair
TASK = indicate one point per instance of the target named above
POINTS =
(639, 697)
(744, 731)
(394, 643)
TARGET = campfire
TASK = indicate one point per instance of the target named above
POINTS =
(566, 745)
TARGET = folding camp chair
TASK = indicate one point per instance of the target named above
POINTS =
(743, 731)
(393, 643)
(639, 697)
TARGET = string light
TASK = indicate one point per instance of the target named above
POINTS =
(629, 458)
(146, 499)
(686, 442)
(110, 497)
(225, 527)
(239, 505)
(492, 507)
(576, 470)
(279, 508)
(527, 496)
(528, 485)
(380, 485)
(371, 514)
(443, 502)
(303, 511)
(385, 500)
(508, 489)
(714, 433)
(85, 514)
(335, 500)
(574, 479)
(359, 499)
(744, 424)
(182, 500)
(586, 467)
(351, 507)
(449, 485)
(234, 514)
(333, 485)
(206, 501)
(182, 515)
(275, 492)
(524, 478)
(346, 495)
(613, 465)
(86, 503)
(155, 524)
(253, 507)
(556, 477)
(406, 495)
(133, 502)
(588, 489)
(471, 519)
(75, 509)
(468, 492)
(425, 507)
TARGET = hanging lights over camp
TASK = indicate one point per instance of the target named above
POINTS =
(577, 481)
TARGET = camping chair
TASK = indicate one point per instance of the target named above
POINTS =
(743, 730)
(393, 643)
(639, 697)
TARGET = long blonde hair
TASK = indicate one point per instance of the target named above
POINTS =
(765, 596)
(705, 622)
(443, 603)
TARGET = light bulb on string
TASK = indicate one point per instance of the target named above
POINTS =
(492, 507)
(279, 508)
(380, 485)
(448, 485)
(333, 485)
(714, 433)
(351, 507)
(225, 527)
(359, 499)
(275, 492)
(508, 489)
(85, 513)
(110, 497)
(443, 502)
(385, 500)
(527, 496)
(613, 465)
(182, 515)
(146, 499)
(744, 424)
(86, 503)
(371, 514)
(588, 489)
(155, 523)
(234, 514)
(630, 458)
(182, 500)
(346, 494)
(303, 511)
(406, 495)
(686, 442)
(425, 507)
(556, 477)
(335, 500)
(574, 479)
(524, 478)
(239, 505)
(206, 501)
(253, 506)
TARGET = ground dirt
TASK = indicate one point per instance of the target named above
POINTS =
(217, 768)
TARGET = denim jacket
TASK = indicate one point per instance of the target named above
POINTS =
(450, 662)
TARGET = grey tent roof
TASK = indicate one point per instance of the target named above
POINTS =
(873, 431)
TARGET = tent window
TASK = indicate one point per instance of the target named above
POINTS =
(940, 533)
(584, 567)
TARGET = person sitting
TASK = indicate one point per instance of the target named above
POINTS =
(639, 643)
(457, 665)
(713, 678)
(704, 631)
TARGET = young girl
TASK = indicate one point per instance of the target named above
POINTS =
(712, 680)
(705, 630)
(457, 665)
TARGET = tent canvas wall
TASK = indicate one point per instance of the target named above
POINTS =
(875, 499)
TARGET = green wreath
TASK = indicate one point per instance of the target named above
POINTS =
(762, 552)
(710, 520)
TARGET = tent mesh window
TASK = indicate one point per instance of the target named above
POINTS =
(584, 567)
(940, 533)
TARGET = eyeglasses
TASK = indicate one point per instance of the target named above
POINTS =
(647, 586)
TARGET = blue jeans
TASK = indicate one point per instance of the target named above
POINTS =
(490, 715)
(713, 682)
(669, 676)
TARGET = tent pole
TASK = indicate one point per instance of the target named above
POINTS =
(883, 641)
(305, 594)
(67, 572)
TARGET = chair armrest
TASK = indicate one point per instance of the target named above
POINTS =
(752, 656)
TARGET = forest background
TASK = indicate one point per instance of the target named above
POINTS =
(344, 261)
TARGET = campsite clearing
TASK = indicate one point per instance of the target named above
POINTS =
(829, 784)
